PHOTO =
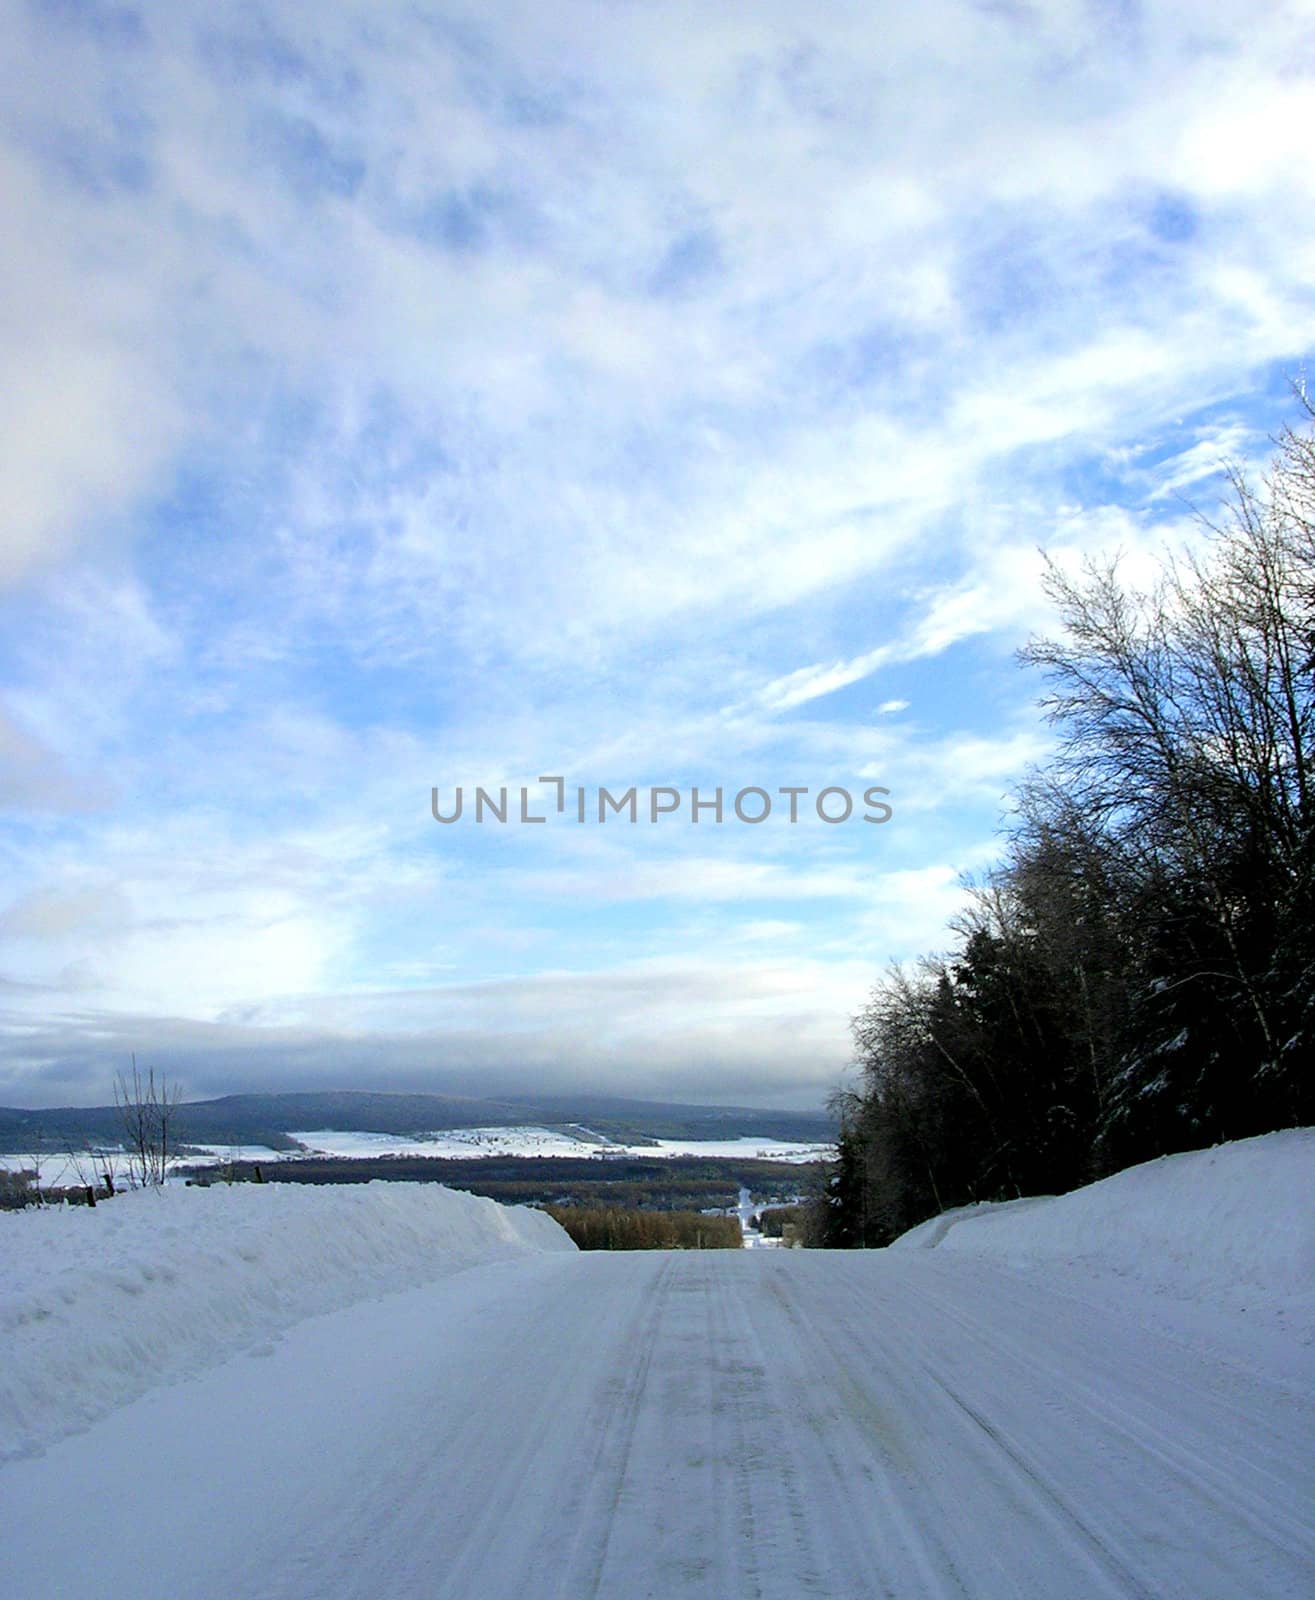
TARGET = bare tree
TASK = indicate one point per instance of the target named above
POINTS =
(1187, 721)
(94, 1167)
(37, 1163)
(81, 1162)
(148, 1109)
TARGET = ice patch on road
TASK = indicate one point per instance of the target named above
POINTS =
(1234, 1224)
(101, 1304)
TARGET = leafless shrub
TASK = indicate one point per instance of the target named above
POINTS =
(148, 1108)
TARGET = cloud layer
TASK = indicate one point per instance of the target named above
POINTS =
(455, 395)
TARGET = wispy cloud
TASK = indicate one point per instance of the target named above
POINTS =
(655, 396)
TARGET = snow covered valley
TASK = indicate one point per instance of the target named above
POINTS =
(292, 1393)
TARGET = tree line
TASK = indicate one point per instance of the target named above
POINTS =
(629, 1183)
(1136, 977)
(609, 1228)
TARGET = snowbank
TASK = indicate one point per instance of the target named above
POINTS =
(1235, 1224)
(101, 1304)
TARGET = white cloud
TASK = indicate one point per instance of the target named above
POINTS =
(409, 398)
(33, 778)
(810, 683)
(84, 420)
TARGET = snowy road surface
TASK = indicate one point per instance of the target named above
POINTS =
(775, 1423)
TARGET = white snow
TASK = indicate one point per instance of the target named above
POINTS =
(447, 1143)
(61, 1167)
(452, 1143)
(1233, 1226)
(997, 1416)
(222, 1154)
(100, 1304)
(461, 1143)
(741, 1148)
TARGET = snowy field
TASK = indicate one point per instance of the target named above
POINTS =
(456, 1143)
(1103, 1397)
(763, 1149)
(466, 1142)
(449, 1143)
(59, 1168)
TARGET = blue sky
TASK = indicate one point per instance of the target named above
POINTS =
(415, 395)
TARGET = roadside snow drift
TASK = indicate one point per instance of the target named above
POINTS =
(1235, 1224)
(101, 1304)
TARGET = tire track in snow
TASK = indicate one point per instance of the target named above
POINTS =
(1070, 1525)
(690, 1427)
(953, 1483)
(594, 1510)
(893, 1546)
(1139, 1526)
(1228, 1457)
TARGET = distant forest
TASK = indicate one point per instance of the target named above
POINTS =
(1137, 976)
(614, 1183)
(599, 1229)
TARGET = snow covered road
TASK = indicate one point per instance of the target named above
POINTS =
(767, 1423)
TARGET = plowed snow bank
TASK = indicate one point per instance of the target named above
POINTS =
(1234, 1224)
(100, 1305)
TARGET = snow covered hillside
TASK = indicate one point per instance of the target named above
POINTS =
(462, 1143)
(1234, 1225)
(101, 1304)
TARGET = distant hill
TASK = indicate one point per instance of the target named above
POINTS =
(269, 1118)
(656, 1119)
